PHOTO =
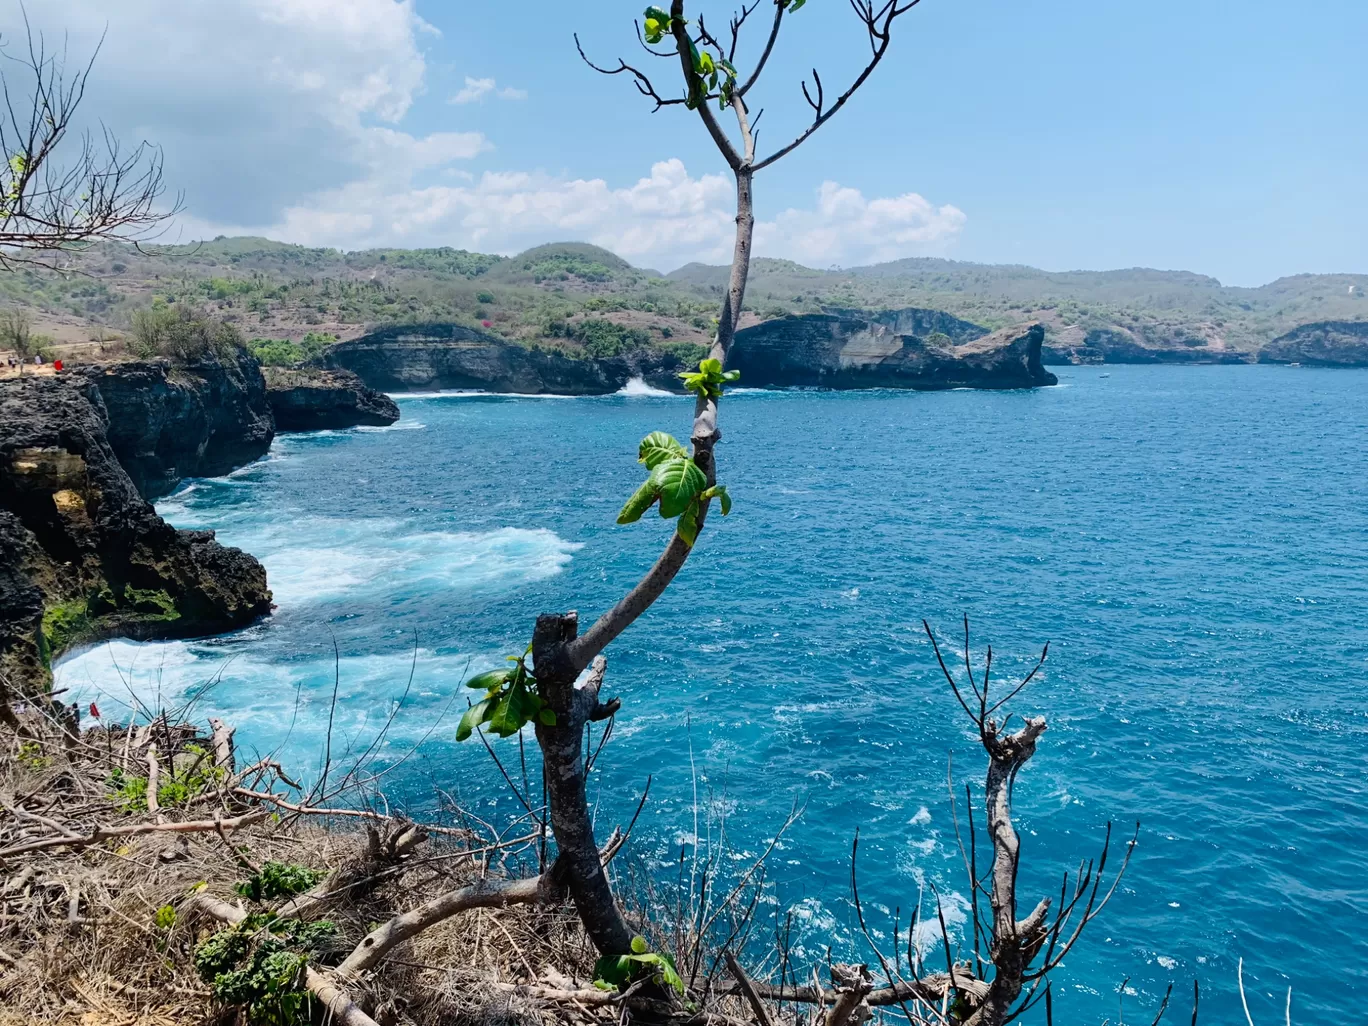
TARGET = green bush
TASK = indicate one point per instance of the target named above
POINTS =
(180, 333)
(604, 339)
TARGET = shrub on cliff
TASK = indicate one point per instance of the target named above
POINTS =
(281, 352)
(181, 334)
(604, 339)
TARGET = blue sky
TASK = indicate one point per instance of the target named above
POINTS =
(1220, 137)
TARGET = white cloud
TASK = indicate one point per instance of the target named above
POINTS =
(288, 118)
(256, 102)
(663, 220)
(477, 89)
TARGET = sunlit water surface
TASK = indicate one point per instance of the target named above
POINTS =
(1192, 541)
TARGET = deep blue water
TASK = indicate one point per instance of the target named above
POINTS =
(1192, 541)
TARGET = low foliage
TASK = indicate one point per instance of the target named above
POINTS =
(180, 333)
(258, 966)
(279, 880)
(618, 972)
(281, 352)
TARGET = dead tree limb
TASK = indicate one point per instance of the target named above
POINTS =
(1015, 944)
(103, 193)
(106, 833)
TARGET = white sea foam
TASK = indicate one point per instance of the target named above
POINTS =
(275, 702)
(477, 393)
(320, 559)
(637, 387)
(398, 425)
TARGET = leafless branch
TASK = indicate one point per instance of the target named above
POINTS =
(103, 193)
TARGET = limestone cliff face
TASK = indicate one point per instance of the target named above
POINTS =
(1110, 345)
(842, 349)
(200, 419)
(851, 349)
(317, 400)
(82, 554)
(1324, 344)
(415, 357)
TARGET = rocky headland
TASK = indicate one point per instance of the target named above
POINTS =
(308, 399)
(415, 357)
(83, 554)
(171, 420)
(1323, 344)
(912, 348)
(916, 349)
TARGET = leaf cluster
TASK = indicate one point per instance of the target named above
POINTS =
(510, 703)
(618, 972)
(676, 482)
(279, 880)
(259, 965)
(709, 378)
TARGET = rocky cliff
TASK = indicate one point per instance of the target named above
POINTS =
(316, 400)
(852, 349)
(1074, 345)
(1324, 344)
(170, 421)
(841, 349)
(413, 357)
(82, 553)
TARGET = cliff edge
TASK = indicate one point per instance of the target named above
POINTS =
(83, 554)
(307, 399)
(1323, 344)
(853, 349)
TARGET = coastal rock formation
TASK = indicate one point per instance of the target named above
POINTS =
(198, 419)
(316, 400)
(1324, 344)
(842, 349)
(852, 349)
(1073, 345)
(82, 554)
(450, 356)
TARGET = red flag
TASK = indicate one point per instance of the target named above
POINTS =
(94, 710)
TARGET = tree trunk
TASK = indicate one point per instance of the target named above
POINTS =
(558, 655)
(563, 765)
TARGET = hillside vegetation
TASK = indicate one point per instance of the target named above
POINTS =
(586, 299)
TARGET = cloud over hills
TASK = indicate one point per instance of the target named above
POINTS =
(288, 118)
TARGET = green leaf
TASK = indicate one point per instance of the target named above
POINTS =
(504, 721)
(795, 4)
(730, 376)
(489, 680)
(719, 492)
(657, 447)
(547, 717)
(679, 481)
(475, 715)
(639, 503)
(639, 945)
(710, 367)
(687, 528)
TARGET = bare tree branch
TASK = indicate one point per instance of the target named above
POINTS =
(879, 25)
(105, 193)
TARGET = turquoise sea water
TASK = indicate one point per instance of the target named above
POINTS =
(1192, 541)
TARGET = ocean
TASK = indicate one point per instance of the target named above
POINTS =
(1192, 542)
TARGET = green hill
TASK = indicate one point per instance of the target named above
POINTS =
(566, 292)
